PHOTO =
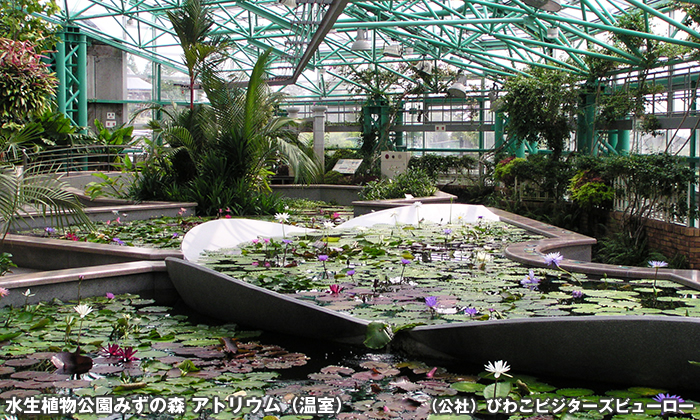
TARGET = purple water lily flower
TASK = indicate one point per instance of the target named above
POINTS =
(661, 397)
(50, 230)
(658, 264)
(323, 257)
(577, 294)
(470, 311)
(672, 405)
(448, 231)
(530, 281)
(431, 302)
(404, 261)
(350, 272)
(287, 241)
(553, 258)
(109, 295)
(118, 241)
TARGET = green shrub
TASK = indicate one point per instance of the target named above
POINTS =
(336, 178)
(590, 190)
(436, 165)
(506, 169)
(415, 182)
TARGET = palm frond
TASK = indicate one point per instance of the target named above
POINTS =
(29, 192)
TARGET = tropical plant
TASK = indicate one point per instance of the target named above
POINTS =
(202, 51)
(26, 85)
(220, 155)
(21, 193)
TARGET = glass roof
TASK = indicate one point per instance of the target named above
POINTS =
(489, 39)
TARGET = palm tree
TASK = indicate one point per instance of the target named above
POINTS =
(250, 133)
(201, 49)
(221, 154)
(21, 194)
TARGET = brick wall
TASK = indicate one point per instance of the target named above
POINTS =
(669, 238)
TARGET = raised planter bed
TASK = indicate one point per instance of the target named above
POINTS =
(343, 195)
(364, 207)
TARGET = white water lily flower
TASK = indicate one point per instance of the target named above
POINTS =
(282, 217)
(83, 310)
(328, 225)
(498, 368)
(28, 293)
(417, 204)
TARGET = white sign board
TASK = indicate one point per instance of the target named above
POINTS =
(347, 166)
(394, 163)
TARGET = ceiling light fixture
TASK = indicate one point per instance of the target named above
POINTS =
(458, 89)
(361, 43)
(552, 33)
(548, 5)
(392, 50)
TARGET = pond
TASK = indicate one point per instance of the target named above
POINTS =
(141, 349)
(391, 274)
(432, 274)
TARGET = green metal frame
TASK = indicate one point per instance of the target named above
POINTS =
(70, 62)
(485, 38)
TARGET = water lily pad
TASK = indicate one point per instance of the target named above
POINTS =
(575, 392)
(622, 394)
(497, 390)
(646, 392)
(469, 387)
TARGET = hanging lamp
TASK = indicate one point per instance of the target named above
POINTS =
(361, 43)
(458, 89)
(392, 50)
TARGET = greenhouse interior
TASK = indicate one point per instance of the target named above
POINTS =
(335, 209)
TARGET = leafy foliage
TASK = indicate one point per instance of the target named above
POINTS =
(551, 99)
(650, 183)
(39, 192)
(539, 172)
(436, 165)
(220, 155)
(589, 190)
(21, 21)
(202, 50)
(6, 264)
(25, 82)
(415, 182)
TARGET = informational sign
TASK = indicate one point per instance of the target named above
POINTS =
(347, 166)
(394, 163)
